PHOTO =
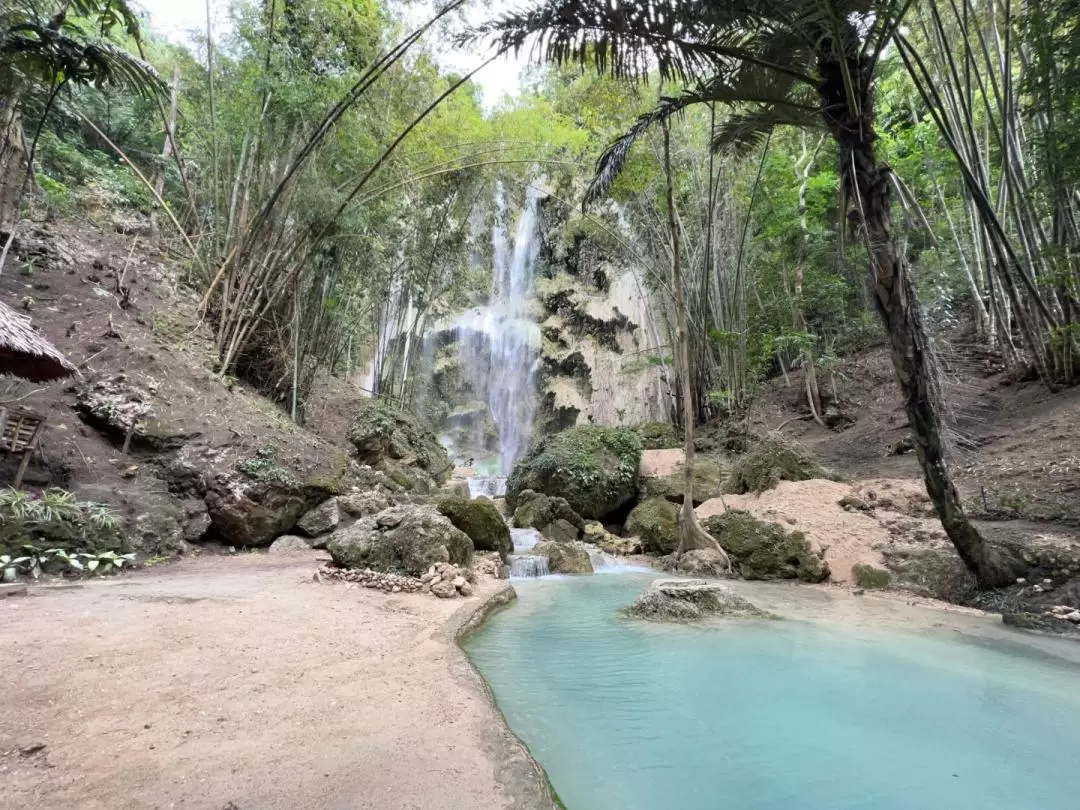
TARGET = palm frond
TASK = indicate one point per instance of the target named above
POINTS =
(680, 39)
(614, 158)
(743, 132)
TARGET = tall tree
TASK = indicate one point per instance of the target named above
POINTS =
(43, 48)
(805, 63)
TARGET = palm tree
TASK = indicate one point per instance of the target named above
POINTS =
(804, 63)
(44, 46)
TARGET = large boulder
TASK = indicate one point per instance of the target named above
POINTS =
(250, 513)
(480, 519)
(594, 468)
(761, 550)
(682, 600)
(290, 544)
(536, 511)
(656, 522)
(771, 461)
(564, 558)
(668, 480)
(703, 562)
(362, 504)
(392, 439)
(321, 520)
(406, 539)
(117, 407)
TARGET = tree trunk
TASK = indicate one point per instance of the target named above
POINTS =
(691, 534)
(868, 189)
(12, 161)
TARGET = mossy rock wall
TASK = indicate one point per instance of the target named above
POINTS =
(383, 433)
(763, 550)
(594, 468)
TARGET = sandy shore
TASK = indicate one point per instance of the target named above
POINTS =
(240, 683)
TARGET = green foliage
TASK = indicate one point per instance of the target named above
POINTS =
(265, 466)
(57, 520)
(594, 468)
(382, 431)
(658, 435)
(870, 577)
(36, 561)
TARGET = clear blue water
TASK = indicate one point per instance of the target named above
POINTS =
(776, 715)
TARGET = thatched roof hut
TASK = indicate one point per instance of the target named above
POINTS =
(25, 353)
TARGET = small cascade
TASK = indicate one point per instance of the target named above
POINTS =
(601, 560)
(525, 538)
(489, 487)
(526, 566)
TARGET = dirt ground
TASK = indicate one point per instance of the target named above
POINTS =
(241, 683)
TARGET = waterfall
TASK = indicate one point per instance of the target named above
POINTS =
(526, 566)
(501, 344)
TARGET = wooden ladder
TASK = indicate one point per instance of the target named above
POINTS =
(20, 432)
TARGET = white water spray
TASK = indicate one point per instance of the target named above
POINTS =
(500, 344)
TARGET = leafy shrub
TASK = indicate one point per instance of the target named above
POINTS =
(56, 520)
(870, 577)
(265, 466)
(35, 561)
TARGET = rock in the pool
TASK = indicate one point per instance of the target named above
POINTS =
(684, 600)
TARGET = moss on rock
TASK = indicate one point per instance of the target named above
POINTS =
(709, 476)
(480, 519)
(771, 461)
(594, 468)
(658, 436)
(382, 433)
(536, 511)
(761, 550)
(406, 539)
(871, 577)
(564, 558)
(656, 522)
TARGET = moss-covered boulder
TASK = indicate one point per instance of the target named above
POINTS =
(564, 558)
(658, 436)
(405, 539)
(389, 438)
(656, 522)
(761, 550)
(536, 511)
(771, 461)
(871, 577)
(709, 477)
(594, 468)
(480, 519)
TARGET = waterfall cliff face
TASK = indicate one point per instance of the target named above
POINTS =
(494, 350)
(566, 337)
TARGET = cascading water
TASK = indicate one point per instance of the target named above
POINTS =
(523, 565)
(500, 347)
